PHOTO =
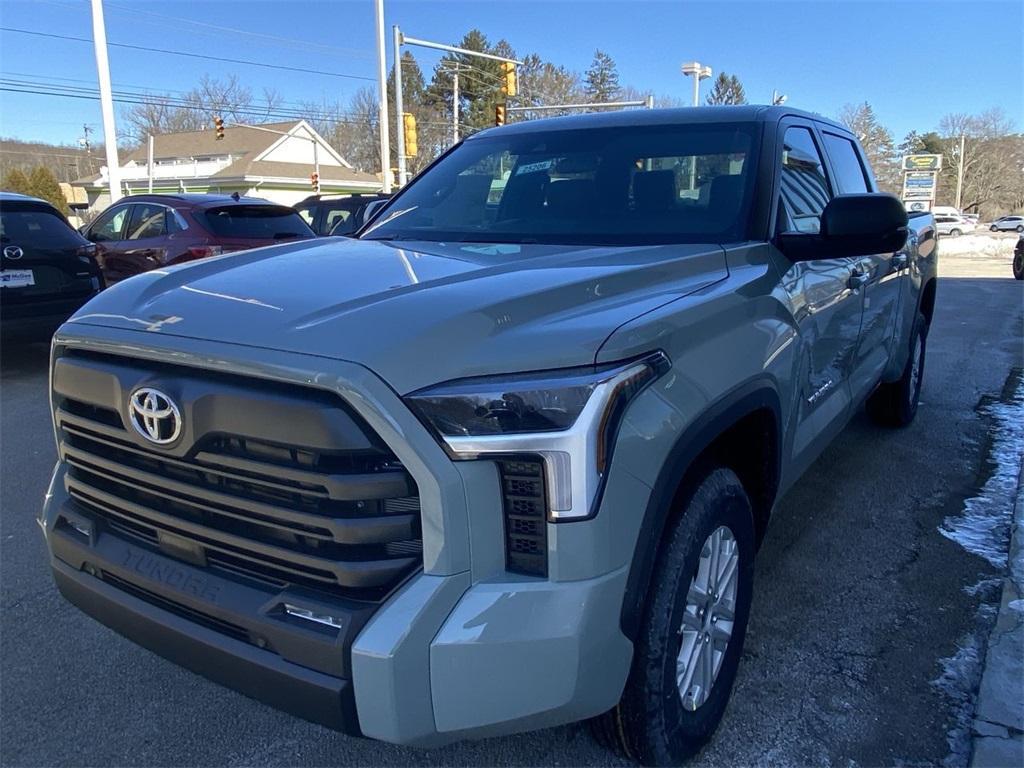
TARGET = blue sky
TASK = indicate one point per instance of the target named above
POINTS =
(913, 60)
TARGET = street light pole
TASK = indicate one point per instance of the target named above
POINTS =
(455, 105)
(699, 72)
(399, 107)
(99, 36)
(382, 101)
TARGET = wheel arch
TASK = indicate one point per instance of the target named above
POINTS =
(753, 409)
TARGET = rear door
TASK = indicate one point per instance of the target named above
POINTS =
(826, 308)
(879, 274)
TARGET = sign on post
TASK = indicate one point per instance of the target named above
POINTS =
(922, 163)
(920, 179)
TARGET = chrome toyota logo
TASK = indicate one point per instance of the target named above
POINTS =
(154, 415)
(13, 252)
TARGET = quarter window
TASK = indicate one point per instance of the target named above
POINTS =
(850, 177)
(805, 191)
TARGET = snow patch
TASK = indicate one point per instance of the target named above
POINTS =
(961, 675)
(983, 527)
(977, 245)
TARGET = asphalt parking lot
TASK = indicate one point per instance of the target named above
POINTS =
(858, 601)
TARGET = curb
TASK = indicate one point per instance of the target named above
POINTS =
(998, 728)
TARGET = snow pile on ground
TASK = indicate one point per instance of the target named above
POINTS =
(977, 245)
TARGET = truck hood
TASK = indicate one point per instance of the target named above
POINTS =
(415, 313)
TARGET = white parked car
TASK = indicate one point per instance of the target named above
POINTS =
(954, 226)
(1008, 224)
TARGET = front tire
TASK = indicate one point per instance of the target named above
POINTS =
(1018, 264)
(1020, 228)
(955, 232)
(689, 645)
(895, 404)
(993, 228)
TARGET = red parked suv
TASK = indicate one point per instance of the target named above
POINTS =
(144, 232)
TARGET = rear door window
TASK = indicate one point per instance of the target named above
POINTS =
(147, 220)
(36, 229)
(256, 222)
(849, 173)
(805, 190)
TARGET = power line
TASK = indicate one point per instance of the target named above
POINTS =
(295, 42)
(190, 55)
(134, 99)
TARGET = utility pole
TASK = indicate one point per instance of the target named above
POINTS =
(399, 107)
(960, 172)
(99, 36)
(149, 164)
(382, 101)
(455, 105)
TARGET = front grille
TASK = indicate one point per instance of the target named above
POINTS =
(341, 519)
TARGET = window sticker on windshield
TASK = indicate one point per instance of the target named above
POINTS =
(543, 165)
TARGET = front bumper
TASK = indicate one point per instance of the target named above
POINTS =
(462, 649)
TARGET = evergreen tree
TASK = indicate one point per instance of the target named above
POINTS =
(44, 185)
(15, 180)
(726, 90)
(877, 142)
(601, 82)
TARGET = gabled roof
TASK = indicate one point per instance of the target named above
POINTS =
(253, 167)
(238, 140)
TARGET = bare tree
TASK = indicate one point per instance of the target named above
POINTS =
(984, 161)
(195, 110)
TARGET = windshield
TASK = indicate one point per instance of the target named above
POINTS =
(637, 185)
(259, 222)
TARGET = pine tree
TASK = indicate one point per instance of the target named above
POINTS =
(877, 142)
(601, 83)
(44, 185)
(15, 180)
(726, 90)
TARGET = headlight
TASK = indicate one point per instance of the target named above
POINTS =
(569, 418)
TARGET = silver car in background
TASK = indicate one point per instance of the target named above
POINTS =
(1008, 224)
(954, 226)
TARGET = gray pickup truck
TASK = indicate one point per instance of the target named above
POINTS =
(503, 461)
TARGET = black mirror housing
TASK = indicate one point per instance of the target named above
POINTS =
(852, 225)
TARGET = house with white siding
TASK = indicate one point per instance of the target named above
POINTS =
(273, 161)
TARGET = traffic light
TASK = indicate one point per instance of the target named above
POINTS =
(314, 180)
(409, 131)
(499, 114)
(509, 88)
(218, 126)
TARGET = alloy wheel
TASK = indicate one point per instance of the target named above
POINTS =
(708, 619)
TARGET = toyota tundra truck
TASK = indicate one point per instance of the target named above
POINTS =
(503, 461)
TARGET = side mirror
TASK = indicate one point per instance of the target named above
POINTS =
(851, 225)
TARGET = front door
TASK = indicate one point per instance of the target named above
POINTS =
(821, 296)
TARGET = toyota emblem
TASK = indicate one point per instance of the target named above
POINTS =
(13, 252)
(154, 415)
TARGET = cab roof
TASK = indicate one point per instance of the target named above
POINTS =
(752, 113)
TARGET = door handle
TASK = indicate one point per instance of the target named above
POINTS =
(858, 278)
(898, 261)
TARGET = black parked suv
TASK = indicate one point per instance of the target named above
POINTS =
(47, 271)
(336, 215)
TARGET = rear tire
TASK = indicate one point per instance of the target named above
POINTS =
(1020, 227)
(895, 404)
(1018, 264)
(955, 232)
(689, 645)
(993, 228)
